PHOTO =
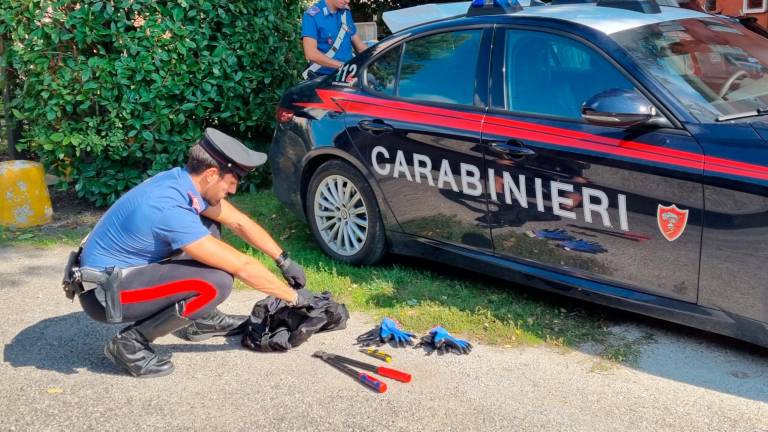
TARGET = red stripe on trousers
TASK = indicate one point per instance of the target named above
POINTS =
(204, 294)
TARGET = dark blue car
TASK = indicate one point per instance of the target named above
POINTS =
(613, 151)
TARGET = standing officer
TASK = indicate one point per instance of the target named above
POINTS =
(130, 270)
(328, 34)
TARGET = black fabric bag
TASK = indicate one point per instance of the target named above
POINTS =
(275, 326)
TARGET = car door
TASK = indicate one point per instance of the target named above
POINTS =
(618, 205)
(417, 120)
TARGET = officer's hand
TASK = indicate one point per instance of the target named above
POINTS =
(292, 272)
(304, 298)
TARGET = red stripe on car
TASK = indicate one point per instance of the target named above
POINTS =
(339, 101)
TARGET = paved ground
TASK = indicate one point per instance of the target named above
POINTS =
(54, 377)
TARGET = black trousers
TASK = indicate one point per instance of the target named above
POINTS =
(148, 289)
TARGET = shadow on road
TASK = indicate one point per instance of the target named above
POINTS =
(71, 342)
(702, 359)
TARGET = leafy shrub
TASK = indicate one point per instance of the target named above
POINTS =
(113, 91)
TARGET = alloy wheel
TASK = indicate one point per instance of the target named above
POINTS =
(340, 215)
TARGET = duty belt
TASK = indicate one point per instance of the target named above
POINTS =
(74, 276)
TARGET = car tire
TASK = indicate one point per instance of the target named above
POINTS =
(344, 215)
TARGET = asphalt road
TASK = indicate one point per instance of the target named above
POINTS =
(54, 376)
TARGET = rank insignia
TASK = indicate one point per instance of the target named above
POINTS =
(194, 202)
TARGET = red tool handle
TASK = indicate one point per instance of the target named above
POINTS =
(394, 374)
(372, 382)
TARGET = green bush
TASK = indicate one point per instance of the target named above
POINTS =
(110, 92)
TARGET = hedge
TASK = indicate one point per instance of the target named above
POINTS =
(110, 92)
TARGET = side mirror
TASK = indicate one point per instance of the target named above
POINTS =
(619, 107)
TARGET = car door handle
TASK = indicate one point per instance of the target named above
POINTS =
(375, 127)
(513, 148)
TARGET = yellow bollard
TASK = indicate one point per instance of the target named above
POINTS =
(24, 198)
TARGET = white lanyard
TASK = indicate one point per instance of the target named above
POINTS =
(314, 67)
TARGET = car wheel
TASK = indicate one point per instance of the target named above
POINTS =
(344, 215)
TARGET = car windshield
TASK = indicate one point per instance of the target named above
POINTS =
(714, 67)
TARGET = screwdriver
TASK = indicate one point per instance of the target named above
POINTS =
(363, 378)
(381, 355)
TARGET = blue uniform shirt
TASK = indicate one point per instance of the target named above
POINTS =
(147, 224)
(320, 24)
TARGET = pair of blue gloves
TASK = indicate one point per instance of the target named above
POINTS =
(389, 331)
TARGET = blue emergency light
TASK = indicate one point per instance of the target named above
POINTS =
(493, 7)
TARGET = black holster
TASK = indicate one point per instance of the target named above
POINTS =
(110, 289)
(72, 283)
(106, 283)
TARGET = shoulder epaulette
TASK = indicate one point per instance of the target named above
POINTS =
(314, 10)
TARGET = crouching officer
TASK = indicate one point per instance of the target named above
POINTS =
(328, 34)
(156, 259)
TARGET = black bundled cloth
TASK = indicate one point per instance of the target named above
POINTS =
(275, 326)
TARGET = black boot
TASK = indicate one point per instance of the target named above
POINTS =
(131, 351)
(161, 356)
(215, 323)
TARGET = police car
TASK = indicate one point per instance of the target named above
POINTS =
(614, 151)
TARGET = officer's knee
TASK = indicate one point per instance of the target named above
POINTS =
(223, 282)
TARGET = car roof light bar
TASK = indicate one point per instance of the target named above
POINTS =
(493, 7)
(642, 6)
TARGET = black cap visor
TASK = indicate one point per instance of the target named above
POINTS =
(230, 153)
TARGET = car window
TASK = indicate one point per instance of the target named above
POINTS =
(712, 66)
(554, 75)
(441, 67)
(382, 73)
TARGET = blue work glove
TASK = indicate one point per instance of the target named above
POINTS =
(443, 342)
(388, 331)
(554, 234)
(583, 246)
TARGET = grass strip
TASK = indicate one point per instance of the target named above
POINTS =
(420, 295)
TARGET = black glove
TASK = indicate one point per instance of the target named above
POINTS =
(292, 272)
(304, 298)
